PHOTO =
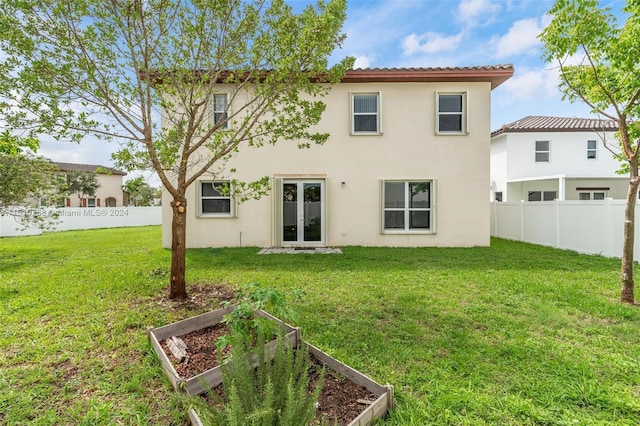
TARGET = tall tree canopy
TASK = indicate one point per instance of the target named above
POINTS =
(140, 192)
(113, 68)
(599, 64)
(25, 178)
(25, 181)
(80, 184)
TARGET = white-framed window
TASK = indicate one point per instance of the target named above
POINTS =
(91, 202)
(220, 110)
(542, 195)
(407, 206)
(451, 113)
(215, 199)
(592, 193)
(542, 151)
(365, 113)
(497, 196)
(592, 150)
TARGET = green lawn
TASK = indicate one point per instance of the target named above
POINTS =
(511, 334)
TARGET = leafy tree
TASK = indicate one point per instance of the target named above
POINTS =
(81, 184)
(24, 177)
(140, 192)
(13, 145)
(607, 79)
(134, 61)
(24, 180)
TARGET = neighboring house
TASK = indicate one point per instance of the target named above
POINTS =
(542, 158)
(406, 164)
(108, 194)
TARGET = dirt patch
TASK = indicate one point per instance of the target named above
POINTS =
(200, 296)
(340, 400)
(201, 354)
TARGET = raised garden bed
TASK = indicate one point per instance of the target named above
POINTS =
(370, 399)
(211, 377)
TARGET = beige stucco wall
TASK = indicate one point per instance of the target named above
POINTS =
(407, 149)
(110, 186)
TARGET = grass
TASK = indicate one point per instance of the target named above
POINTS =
(512, 334)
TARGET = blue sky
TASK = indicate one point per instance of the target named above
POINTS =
(435, 33)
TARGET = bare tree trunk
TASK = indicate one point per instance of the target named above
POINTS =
(178, 286)
(626, 273)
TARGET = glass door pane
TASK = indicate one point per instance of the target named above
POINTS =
(312, 212)
(290, 212)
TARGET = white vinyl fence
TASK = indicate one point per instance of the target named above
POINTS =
(593, 227)
(70, 218)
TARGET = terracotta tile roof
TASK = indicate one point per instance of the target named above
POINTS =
(495, 74)
(67, 167)
(540, 123)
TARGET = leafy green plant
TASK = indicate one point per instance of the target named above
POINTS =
(266, 391)
(244, 322)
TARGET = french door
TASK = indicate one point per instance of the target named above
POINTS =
(303, 221)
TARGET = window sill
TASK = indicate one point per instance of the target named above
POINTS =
(366, 133)
(409, 232)
(215, 216)
(452, 133)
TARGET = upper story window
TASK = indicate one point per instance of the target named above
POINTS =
(542, 151)
(365, 117)
(215, 199)
(220, 110)
(451, 113)
(407, 206)
(592, 150)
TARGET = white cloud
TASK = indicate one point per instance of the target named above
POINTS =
(521, 37)
(430, 42)
(477, 12)
(532, 85)
(362, 61)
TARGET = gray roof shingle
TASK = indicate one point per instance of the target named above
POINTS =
(541, 123)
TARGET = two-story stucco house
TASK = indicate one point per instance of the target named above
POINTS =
(109, 193)
(406, 164)
(539, 158)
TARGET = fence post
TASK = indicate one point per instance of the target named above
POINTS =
(521, 220)
(557, 219)
(494, 208)
(608, 228)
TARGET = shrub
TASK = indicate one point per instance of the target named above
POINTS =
(265, 391)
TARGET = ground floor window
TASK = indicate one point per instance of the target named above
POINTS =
(215, 198)
(596, 195)
(542, 195)
(407, 205)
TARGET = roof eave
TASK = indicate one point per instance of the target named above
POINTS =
(495, 76)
